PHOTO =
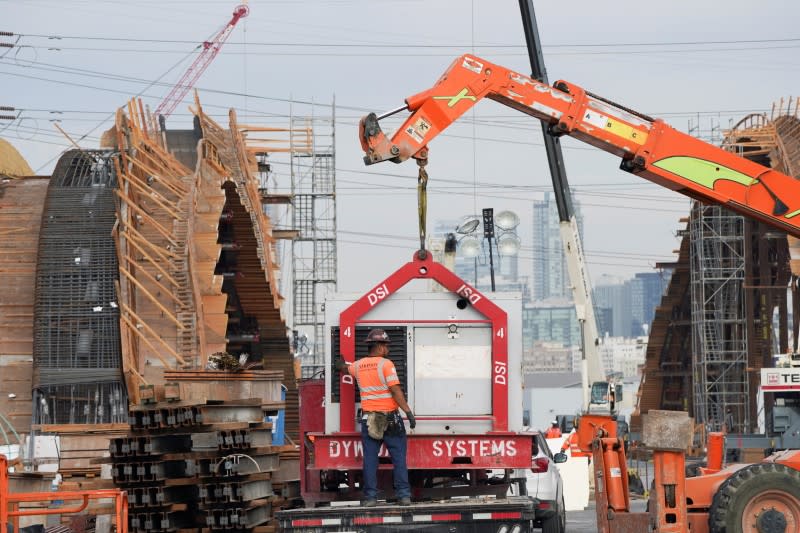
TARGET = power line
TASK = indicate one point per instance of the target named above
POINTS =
(362, 191)
(405, 54)
(422, 46)
(97, 74)
(466, 181)
(533, 123)
(558, 251)
(644, 263)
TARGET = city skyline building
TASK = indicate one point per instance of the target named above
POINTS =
(613, 294)
(551, 320)
(647, 288)
(631, 303)
(550, 276)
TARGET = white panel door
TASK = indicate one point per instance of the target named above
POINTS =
(452, 376)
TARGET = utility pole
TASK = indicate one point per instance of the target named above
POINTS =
(488, 232)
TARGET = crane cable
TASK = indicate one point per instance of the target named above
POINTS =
(422, 202)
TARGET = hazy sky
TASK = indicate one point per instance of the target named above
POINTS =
(694, 63)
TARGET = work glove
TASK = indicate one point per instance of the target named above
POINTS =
(412, 422)
(340, 364)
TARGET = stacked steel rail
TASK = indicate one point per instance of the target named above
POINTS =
(197, 465)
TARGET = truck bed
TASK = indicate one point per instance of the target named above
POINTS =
(458, 515)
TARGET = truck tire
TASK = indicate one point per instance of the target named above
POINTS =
(556, 523)
(763, 497)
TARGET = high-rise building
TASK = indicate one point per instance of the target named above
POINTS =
(605, 319)
(550, 276)
(614, 294)
(552, 320)
(548, 357)
(646, 291)
(632, 302)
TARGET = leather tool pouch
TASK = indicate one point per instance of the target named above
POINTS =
(376, 425)
(395, 425)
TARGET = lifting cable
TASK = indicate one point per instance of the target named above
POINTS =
(422, 201)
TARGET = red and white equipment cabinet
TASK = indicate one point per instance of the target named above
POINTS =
(460, 364)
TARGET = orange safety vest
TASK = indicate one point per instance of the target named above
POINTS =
(374, 376)
(552, 433)
(571, 442)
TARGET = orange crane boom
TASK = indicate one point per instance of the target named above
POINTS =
(649, 147)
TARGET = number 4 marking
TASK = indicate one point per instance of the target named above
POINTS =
(347, 331)
(501, 332)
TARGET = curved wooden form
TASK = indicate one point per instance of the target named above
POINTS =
(179, 305)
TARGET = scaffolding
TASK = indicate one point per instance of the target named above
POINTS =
(314, 253)
(297, 170)
(719, 319)
(739, 277)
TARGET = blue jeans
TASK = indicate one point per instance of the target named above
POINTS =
(396, 444)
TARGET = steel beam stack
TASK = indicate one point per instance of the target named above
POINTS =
(198, 467)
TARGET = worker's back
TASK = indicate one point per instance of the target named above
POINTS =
(553, 432)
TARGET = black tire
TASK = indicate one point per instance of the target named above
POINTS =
(773, 486)
(558, 522)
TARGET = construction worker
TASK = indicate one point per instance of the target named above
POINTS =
(571, 444)
(381, 395)
(553, 432)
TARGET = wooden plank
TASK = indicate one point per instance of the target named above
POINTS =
(154, 196)
(82, 428)
(152, 279)
(206, 247)
(71, 443)
(285, 234)
(216, 326)
(17, 372)
(275, 198)
(145, 216)
(214, 303)
(151, 297)
(143, 337)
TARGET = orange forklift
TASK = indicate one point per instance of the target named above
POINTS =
(762, 497)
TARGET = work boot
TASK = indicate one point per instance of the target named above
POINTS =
(370, 503)
(404, 501)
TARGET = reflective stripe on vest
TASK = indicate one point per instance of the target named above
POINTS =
(574, 450)
(374, 390)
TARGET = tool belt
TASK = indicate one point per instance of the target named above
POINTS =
(380, 424)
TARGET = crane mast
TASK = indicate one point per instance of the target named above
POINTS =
(591, 365)
(210, 50)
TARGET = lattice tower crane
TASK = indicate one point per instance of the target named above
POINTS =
(210, 50)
